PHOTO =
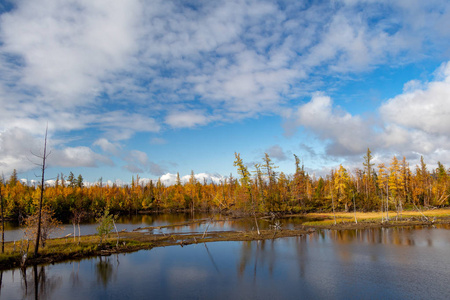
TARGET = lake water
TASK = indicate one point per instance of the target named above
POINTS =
(210, 222)
(392, 263)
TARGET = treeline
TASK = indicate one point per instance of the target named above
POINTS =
(391, 185)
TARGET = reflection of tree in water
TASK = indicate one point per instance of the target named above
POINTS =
(74, 276)
(105, 270)
(246, 255)
(212, 259)
(38, 283)
(260, 254)
(302, 253)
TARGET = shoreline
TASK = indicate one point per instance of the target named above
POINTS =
(67, 249)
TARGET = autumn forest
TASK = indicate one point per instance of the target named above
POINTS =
(392, 185)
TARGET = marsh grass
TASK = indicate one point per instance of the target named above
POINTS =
(65, 248)
(348, 217)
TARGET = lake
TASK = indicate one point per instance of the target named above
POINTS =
(379, 263)
(207, 221)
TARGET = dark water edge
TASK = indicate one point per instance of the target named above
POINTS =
(377, 263)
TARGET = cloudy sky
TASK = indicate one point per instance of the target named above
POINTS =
(160, 87)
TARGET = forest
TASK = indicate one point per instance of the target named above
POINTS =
(388, 186)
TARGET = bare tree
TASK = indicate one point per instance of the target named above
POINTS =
(49, 225)
(43, 157)
(77, 216)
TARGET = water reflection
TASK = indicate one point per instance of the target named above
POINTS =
(37, 284)
(400, 236)
(389, 263)
(212, 259)
(104, 270)
(187, 222)
(75, 276)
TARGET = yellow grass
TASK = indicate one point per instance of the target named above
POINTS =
(372, 216)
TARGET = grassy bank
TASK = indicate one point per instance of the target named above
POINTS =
(370, 219)
(62, 249)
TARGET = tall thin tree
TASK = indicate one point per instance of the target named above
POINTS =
(44, 158)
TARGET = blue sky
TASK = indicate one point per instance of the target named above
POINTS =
(159, 87)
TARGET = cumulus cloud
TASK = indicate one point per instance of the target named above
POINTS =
(107, 146)
(426, 109)
(15, 154)
(77, 157)
(66, 48)
(22, 151)
(413, 123)
(110, 69)
(239, 58)
(346, 134)
(418, 119)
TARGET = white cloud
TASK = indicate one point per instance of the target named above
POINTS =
(186, 119)
(413, 123)
(239, 58)
(120, 125)
(15, 154)
(426, 109)
(76, 157)
(22, 151)
(345, 133)
(107, 146)
(68, 47)
(110, 69)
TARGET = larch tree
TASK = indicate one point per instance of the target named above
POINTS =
(299, 185)
(72, 180)
(191, 190)
(368, 178)
(384, 188)
(246, 183)
(442, 191)
(260, 184)
(271, 175)
(405, 181)
(395, 184)
(342, 186)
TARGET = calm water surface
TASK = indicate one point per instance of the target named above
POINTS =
(211, 222)
(394, 263)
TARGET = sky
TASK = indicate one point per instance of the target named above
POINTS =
(165, 86)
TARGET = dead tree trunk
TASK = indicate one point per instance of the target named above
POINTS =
(38, 234)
